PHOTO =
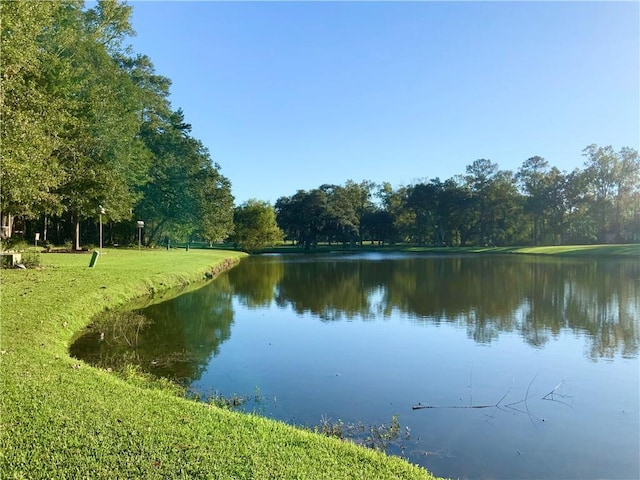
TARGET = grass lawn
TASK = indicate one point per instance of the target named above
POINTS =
(629, 250)
(61, 418)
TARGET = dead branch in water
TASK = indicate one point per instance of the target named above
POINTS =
(419, 406)
(553, 395)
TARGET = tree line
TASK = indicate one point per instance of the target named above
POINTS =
(89, 135)
(537, 205)
(87, 127)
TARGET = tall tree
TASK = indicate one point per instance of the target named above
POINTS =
(361, 197)
(579, 226)
(612, 180)
(215, 204)
(532, 177)
(424, 200)
(627, 180)
(174, 194)
(255, 226)
(456, 212)
(480, 175)
(342, 223)
(555, 212)
(31, 112)
(505, 210)
(600, 167)
(304, 216)
(377, 226)
(101, 154)
(394, 203)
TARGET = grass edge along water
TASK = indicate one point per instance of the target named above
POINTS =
(61, 418)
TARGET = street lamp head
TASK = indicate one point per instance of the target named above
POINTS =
(101, 210)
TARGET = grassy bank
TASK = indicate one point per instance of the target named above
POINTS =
(61, 418)
(630, 250)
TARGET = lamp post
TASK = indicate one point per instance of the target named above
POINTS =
(101, 211)
(140, 227)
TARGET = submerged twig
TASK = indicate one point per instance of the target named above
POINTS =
(549, 396)
(419, 406)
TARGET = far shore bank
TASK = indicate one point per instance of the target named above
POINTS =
(608, 250)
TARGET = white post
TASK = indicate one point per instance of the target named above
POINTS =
(140, 226)
(101, 212)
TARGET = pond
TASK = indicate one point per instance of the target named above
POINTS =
(530, 364)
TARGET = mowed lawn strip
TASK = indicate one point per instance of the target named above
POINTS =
(61, 418)
(595, 251)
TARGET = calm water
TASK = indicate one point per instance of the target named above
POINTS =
(360, 338)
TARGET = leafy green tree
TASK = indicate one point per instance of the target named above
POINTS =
(304, 216)
(600, 168)
(101, 154)
(480, 175)
(153, 90)
(255, 226)
(377, 226)
(288, 215)
(627, 188)
(216, 205)
(505, 212)
(342, 223)
(360, 196)
(170, 204)
(424, 200)
(395, 203)
(555, 212)
(456, 212)
(31, 113)
(86, 124)
(185, 196)
(612, 181)
(532, 176)
(580, 226)
(628, 198)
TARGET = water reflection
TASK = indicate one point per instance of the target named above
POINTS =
(488, 295)
(173, 339)
(537, 298)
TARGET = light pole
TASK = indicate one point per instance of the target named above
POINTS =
(101, 211)
(140, 227)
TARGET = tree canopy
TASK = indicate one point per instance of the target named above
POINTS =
(86, 123)
(538, 205)
(255, 226)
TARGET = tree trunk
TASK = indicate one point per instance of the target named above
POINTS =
(7, 225)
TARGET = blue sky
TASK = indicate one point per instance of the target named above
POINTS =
(293, 95)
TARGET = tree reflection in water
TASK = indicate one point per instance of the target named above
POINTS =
(488, 295)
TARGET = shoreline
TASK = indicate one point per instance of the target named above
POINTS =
(61, 417)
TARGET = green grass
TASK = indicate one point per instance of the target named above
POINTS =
(629, 250)
(61, 418)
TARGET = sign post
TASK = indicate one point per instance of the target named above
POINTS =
(101, 211)
(140, 227)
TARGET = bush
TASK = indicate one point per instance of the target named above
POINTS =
(15, 244)
(31, 259)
